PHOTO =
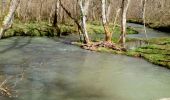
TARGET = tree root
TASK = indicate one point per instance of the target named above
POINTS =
(5, 91)
(96, 45)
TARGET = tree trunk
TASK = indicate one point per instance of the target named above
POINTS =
(108, 10)
(73, 18)
(143, 14)
(9, 18)
(124, 8)
(108, 34)
(116, 18)
(40, 10)
(55, 17)
(84, 11)
(26, 10)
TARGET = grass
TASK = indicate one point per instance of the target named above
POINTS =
(30, 29)
(97, 28)
(157, 52)
(44, 29)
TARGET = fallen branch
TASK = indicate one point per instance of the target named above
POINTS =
(8, 91)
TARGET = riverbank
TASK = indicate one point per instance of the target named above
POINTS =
(45, 29)
(157, 52)
(155, 49)
(156, 26)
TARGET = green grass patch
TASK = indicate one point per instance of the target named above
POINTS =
(30, 29)
(98, 29)
(157, 52)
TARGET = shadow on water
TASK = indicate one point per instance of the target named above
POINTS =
(57, 71)
(71, 92)
(16, 44)
(135, 44)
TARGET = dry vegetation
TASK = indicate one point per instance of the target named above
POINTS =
(157, 11)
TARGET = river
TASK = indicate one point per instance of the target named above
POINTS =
(54, 70)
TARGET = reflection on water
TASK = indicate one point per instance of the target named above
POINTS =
(57, 71)
(135, 44)
(150, 32)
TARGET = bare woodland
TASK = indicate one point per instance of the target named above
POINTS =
(42, 9)
(81, 11)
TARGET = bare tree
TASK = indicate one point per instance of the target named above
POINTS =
(143, 14)
(108, 34)
(76, 21)
(116, 18)
(84, 6)
(55, 12)
(124, 9)
(9, 17)
(108, 7)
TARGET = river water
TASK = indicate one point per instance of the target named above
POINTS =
(151, 33)
(54, 70)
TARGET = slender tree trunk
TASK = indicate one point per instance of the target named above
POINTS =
(124, 8)
(143, 14)
(55, 17)
(40, 11)
(108, 11)
(26, 10)
(3, 6)
(73, 18)
(116, 18)
(84, 11)
(9, 18)
(108, 34)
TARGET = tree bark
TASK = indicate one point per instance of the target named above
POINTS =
(116, 17)
(84, 11)
(108, 10)
(9, 18)
(124, 9)
(74, 19)
(108, 34)
(143, 15)
(55, 17)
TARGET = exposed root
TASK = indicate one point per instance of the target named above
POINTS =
(96, 45)
(4, 89)
(7, 90)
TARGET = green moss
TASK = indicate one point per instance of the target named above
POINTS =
(95, 29)
(131, 31)
(133, 53)
(67, 28)
(157, 52)
(162, 41)
(158, 59)
(98, 29)
(44, 29)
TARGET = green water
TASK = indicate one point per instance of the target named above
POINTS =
(59, 71)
